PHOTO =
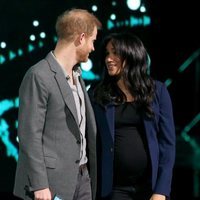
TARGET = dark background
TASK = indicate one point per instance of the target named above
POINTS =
(171, 39)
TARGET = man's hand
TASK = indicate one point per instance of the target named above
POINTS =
(44, 194)
(157, 197)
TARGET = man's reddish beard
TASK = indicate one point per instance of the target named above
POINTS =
(82, 55)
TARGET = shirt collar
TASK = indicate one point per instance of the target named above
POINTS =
(76, 69)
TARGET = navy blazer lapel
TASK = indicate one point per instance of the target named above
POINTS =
(63, 85)
(147, 126)
(110, 118)
(105, 121)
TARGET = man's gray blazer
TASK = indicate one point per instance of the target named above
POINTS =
(49, 136)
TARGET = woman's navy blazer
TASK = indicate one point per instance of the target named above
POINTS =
(160, 134)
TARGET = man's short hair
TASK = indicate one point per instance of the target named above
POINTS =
(76, 21)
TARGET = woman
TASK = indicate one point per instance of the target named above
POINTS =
(135, 124)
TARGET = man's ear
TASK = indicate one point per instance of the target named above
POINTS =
(79, 39)
(82, 37)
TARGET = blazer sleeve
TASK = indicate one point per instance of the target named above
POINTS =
(33, 97)
(166, 142)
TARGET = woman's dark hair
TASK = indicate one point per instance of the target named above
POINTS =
(131, 50)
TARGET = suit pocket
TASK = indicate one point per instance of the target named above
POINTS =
(50, 162)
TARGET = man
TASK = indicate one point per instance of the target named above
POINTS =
(57, 131)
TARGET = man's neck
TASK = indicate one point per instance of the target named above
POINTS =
(65, 56)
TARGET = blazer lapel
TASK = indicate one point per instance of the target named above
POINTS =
(110, 118)
(105, 115)
(67, 94)
(65, 89)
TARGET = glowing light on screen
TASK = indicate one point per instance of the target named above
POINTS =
(32, 37)
(5, 105)
(114, 3)
(43, 35)
(12, 55)
(87, 74)
(142, 9)
(113, 16)
(87, 66)
(35, 23)
(133, 4)
(3, 45)
(131, 22)
(94, 8)
(2, 59)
